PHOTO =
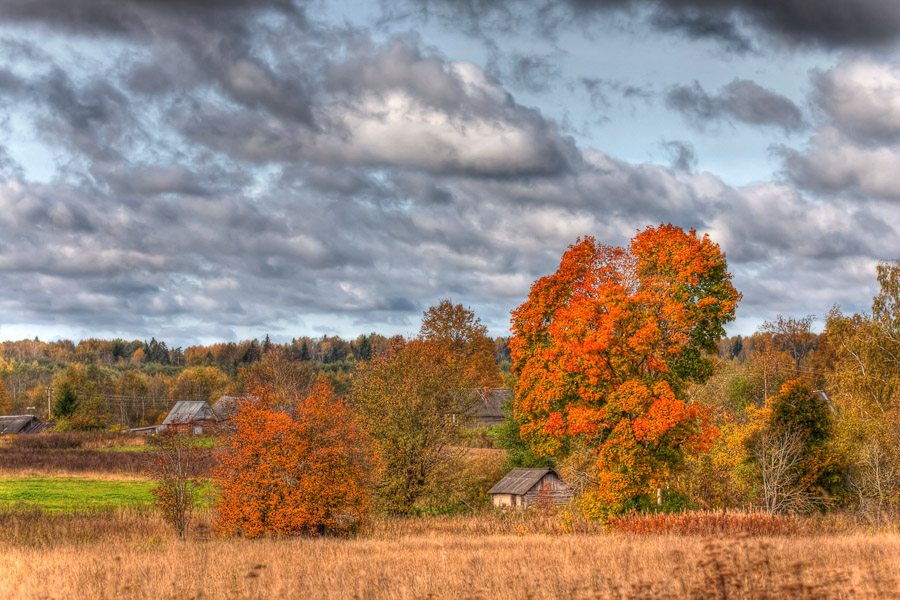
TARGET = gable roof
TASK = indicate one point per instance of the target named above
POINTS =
(490, 405)
(15, 424)
(226, 406)
(187, 411)
(519, 481)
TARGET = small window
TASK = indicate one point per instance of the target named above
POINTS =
(198, 429)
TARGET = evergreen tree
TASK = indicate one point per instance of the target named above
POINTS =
(66, 401)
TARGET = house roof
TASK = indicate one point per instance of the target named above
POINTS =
(15, 424)
(491, 404)
(519, 481)
(226, 406)
(187, 411)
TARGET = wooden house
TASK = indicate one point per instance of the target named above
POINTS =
(17, 424)
(522, 488)
(488, 409)
(227, 406)
(190, 416)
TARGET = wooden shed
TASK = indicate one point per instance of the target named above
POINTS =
(17, 424)
(522, 488)
(190, 416)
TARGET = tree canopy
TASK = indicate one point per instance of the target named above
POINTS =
(605, 348)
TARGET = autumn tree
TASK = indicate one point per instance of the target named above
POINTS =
(200, 383)
(793, 335)
(302, 468)
(180, 467)
(790, 444)
(80, 403)
(605, 349)
(865, 384)
(414, 397)
(5, 399)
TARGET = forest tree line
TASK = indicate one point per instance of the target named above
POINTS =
(135, 383)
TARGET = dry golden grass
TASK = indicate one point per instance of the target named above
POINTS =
(131, 554)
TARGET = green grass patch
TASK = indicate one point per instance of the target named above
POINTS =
(127, 448)
(68, 494)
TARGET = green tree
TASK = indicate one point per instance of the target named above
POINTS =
(66, 402)
(791, 448)
(518, 451)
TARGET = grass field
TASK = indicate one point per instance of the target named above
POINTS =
(98, 537)
(132, 554)
(74, 493)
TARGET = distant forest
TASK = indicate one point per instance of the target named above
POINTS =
(134, 383)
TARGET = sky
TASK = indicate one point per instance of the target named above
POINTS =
(202, 171)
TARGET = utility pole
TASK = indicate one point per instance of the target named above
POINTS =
(49, 395)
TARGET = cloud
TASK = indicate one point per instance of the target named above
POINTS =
(824, 23)
(602, 91)
(533, 72)
(244, 168)
(855, 150)
(701, 24)
(833, 164)
(393, 106)
(682, 155)
(862, 99)
(133, 17)
(10, 84)
(741, 100)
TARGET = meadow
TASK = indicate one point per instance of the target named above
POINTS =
(128, 553)
(91, 533)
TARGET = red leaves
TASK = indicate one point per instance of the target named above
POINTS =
(614, 338)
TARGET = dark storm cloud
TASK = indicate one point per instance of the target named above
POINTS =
(827, 23)
(93, 118)
(150, 180)
(740, 100)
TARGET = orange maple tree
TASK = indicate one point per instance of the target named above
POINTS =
(299, 469)
(605, 348)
